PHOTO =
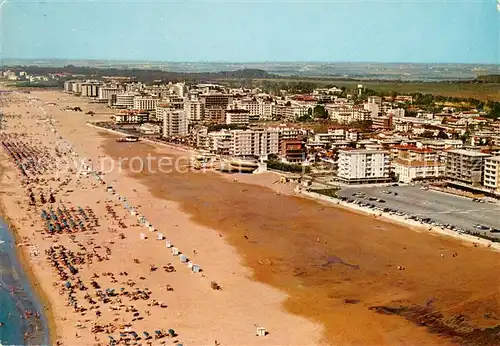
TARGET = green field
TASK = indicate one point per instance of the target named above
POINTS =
(480, 91)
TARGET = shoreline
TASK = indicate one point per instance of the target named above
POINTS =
(37, 289)
(235, 278)
(335, 202)
(283, 261)
(414, 226)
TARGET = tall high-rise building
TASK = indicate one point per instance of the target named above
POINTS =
(465, 166)
(174, 122)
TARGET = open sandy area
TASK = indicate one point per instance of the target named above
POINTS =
(307, 272)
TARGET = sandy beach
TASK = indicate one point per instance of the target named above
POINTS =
(308, 273)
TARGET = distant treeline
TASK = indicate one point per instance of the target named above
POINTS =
(146, 76)
(489, 78)
(149, 76)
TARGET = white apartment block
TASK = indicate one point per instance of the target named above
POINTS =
(76, 87)
(331, 136)
(410, 170)
(265, 110)
(492, 173)
(68, 85)
(375, 99)
(362, 166)
(174, 123)
(219, 142)
(237, 117)
(289, 113)
(465, 166)
(342, 114)
(146, 103)
(195, 110)
(104, 93)
(134, 87)
(373, 108)
(397, 112)
(125, 100)
(89, 89)
(361, 114)
(259, 143)
(253, 107)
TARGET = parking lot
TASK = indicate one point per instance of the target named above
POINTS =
(441, 208)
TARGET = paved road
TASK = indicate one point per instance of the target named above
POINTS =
(448, 209)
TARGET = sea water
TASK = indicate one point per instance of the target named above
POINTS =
(16, 296)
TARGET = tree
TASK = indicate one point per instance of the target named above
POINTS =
(427, 134)
(442, 135)
(320, 112)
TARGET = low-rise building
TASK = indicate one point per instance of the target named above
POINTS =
(408, 171)
(292, 150)
(149, 129)
(131, 117)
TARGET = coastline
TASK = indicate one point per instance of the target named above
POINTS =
(299, 192)
(38, 291)
(329, 265)
(411, 225)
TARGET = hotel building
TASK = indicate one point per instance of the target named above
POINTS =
(492, 173)
(174, 123)
(465, 166)
(362, 166)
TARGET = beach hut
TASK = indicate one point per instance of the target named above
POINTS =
(151, 228)
(168, 244)
(183, 258)
(146, 223)
(261, 331)
(190, 265)
(175, 251)
(143, 236)
(160, 236)
(196, 268)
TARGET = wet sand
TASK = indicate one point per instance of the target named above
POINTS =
(338, 266)
(189, 305)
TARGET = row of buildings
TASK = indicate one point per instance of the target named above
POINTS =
(396, 147)
(460, 167)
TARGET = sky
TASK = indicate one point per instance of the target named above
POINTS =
(418, 31)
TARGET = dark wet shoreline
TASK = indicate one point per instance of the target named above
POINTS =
(17, 293)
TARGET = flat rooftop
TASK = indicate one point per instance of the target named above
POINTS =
(468, 152)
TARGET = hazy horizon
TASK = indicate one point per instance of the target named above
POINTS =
(445, 32)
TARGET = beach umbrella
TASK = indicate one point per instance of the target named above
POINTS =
(171, 332)
(146, 335)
